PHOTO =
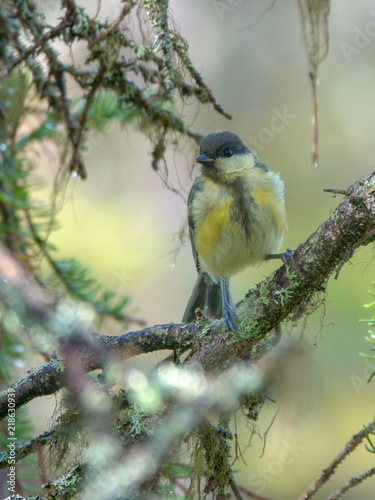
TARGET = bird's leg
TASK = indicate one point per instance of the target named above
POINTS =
(284, 256)
(228, 311)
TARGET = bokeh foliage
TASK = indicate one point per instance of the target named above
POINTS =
(135, 66)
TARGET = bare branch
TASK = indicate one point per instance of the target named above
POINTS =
(331, 469)
(354, 481)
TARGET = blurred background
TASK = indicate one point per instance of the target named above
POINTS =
(125, 224)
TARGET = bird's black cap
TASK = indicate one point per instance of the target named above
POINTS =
(214, 145)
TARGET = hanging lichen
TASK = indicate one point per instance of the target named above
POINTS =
(314, 14)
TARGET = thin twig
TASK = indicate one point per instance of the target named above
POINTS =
(331, 469)
(354, 481)
(76, 139)
(74, 131)
(199, 80)
(235, 488)
(337, 191)
(265, 434)
(49, 35)
(103, 35)
(238, 449)
(314, 121)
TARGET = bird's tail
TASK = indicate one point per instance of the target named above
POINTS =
(207, 296)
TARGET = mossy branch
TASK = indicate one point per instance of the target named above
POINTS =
(160, 57)
(286, 293)
(48, 378)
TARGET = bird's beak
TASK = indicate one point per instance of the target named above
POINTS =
(205, 159)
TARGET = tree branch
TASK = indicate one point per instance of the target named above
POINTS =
(286, 292)
(48, 378)
(328, 472)
(27, 449)
(354, 481)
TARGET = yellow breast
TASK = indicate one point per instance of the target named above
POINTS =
(208, 231)
(237, 225)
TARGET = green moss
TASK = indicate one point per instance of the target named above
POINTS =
(291, 275)
(210, 462)
(284, 294)
(248, 330)
(217, 457)
(206, 326)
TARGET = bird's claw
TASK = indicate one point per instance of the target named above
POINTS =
(228, 315)
(288, 255)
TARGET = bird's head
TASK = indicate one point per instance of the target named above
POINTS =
(223, 154)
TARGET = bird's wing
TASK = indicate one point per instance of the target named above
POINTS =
(194, 189)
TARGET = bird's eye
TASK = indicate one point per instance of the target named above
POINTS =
(228, 152)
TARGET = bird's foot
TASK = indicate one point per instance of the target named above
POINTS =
(284, 256)
(229, 315)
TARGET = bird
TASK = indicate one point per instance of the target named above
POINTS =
(236, 218)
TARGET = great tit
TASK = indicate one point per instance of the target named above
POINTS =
(236, 216)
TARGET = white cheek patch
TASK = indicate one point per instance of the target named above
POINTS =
(237, 163)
